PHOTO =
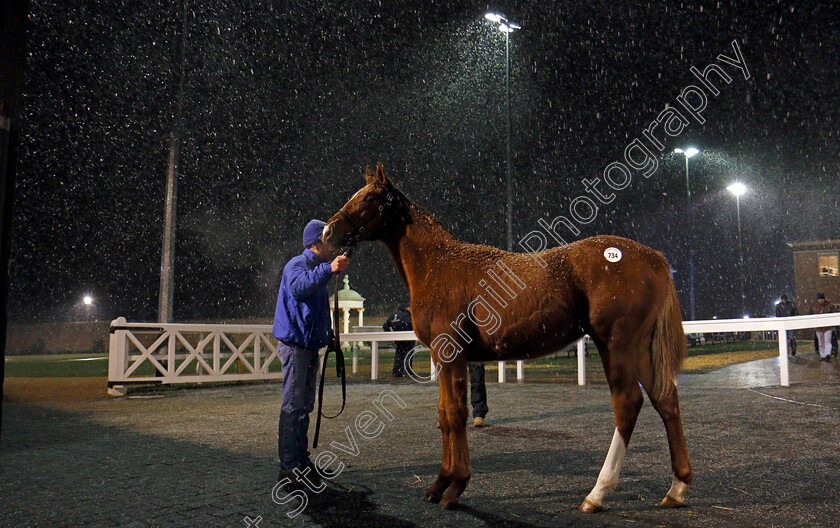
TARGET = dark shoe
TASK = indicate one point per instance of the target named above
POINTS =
(283, 474)
(313, 475)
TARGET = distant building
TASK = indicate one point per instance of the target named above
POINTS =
(815, 269)
(348, 300)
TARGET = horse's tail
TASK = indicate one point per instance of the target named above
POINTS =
(668, 348)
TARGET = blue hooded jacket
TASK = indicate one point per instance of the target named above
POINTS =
(302, 316)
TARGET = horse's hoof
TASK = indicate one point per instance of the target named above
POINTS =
(447, 504)
(431, 497)
(670, 502)
(590, 507)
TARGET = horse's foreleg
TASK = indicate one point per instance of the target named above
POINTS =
(668, 408)
(456, 416)
(435, 491)
(627, 401)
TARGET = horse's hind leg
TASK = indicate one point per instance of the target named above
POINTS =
(668, 407)
(627, 400)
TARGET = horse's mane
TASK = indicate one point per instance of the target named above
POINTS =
(422, 217)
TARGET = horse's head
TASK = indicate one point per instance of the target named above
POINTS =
(375, 212)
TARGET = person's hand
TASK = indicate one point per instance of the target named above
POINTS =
(339, 263)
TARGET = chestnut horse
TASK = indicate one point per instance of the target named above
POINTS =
(477, 303)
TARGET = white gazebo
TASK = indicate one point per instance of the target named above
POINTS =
(349, 300)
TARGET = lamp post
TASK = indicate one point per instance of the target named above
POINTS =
(507, 27)
(689, 153)
(738, 189)
(167, 258)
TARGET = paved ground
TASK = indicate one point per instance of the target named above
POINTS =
(762, 457)
(803, 368)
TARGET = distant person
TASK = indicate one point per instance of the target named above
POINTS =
(302, 325)
(822, 306)
(785, 308)
(478, 394)
(400, 322)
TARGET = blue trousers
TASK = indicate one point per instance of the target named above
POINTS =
(300, 368)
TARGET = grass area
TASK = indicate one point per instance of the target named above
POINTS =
(52, 357)
(56, 366)
(721, 348)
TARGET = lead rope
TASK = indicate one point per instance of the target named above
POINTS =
(334, 346)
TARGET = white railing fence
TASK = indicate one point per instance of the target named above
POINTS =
(196, 353)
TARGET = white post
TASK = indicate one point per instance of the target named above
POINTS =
(257, 351)
(374, 360)
(520, 370)
(361, 316)
(581, 360)
(434, 370)
(170, 356)
(784, 371)
(117, 352)
(355, 357)
(346, 313)
(501, 371)
(217, 354)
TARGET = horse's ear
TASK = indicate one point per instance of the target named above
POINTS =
(368, 176)
(380, 174)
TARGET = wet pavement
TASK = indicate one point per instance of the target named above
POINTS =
(805, 367)
(762, 456)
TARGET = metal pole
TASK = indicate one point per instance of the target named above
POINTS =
(690, 244)
(167, 264)
(509, 179)
(13, 29)
(740, 255)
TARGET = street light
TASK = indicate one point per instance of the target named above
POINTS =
(738, 189)
(167, 257)
(87, 300)
(689, 153)
(507, 27)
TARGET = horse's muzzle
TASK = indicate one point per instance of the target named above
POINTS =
(326, 233)
(331, 236)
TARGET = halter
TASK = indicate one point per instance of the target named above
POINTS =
(353, 236)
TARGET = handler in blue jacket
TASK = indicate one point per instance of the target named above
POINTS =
(302, 324)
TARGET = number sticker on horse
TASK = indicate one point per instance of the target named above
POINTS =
(612, 254)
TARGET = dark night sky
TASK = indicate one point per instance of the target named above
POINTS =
(286, 105)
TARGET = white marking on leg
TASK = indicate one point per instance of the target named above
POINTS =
(608, 478)
(678, 489)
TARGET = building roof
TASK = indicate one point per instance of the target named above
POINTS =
(346, 294)
(815, 245)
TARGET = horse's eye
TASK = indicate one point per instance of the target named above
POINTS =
(368, 198)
